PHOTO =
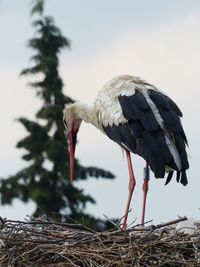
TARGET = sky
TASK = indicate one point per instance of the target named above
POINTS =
(158, 40)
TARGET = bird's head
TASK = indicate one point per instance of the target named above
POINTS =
(72, 123)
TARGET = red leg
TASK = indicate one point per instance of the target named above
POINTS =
(145, 189)
(132, 183)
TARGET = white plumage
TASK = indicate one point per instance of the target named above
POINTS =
(107, 104)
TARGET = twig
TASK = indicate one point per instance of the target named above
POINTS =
(113, 223)
(181, 219)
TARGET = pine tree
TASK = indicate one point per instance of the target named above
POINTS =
(45, 181)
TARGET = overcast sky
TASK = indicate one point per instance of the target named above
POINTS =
(156, 40)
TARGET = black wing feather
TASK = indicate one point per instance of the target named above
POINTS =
(169, 177)
(184, 180)
(130, 110)
(175, 107)
(169, 111)
(143, 135)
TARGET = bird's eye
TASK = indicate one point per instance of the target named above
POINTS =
(65, 124)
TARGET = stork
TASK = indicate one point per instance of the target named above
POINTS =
(141, 119)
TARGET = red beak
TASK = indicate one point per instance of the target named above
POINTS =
(72, 145)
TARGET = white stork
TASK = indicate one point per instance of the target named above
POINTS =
(142, 120)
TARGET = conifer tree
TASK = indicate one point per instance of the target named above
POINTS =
(45, 180)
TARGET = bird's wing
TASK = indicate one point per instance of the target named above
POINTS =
(173, 130)
(139, 117)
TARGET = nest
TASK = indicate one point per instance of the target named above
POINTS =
(55, 244)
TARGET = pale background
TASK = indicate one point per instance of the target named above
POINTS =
(156, 40)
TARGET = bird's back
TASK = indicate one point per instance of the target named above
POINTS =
(107, 102)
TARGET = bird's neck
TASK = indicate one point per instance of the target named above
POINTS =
(86, 113)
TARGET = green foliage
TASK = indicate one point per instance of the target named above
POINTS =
(38, 7)
(46, 180)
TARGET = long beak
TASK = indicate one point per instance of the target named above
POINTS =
(72, 145)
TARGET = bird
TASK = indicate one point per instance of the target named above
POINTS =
(142, 120)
